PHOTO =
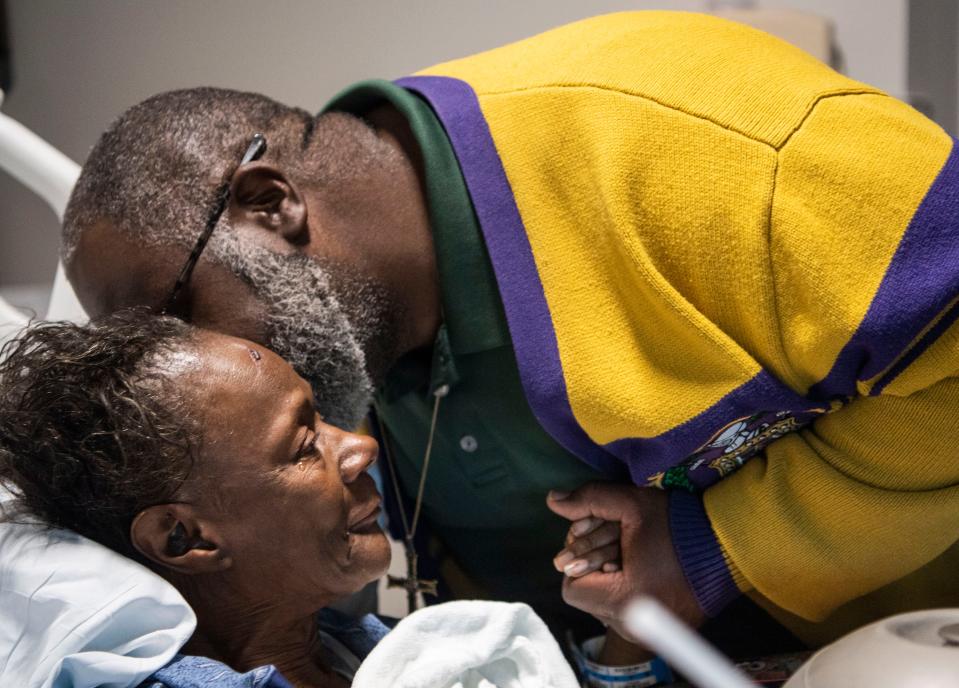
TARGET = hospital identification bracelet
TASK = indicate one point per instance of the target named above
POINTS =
(652, 673)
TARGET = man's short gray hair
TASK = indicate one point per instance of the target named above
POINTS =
(154, 172)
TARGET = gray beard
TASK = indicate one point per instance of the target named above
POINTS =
(307, 324)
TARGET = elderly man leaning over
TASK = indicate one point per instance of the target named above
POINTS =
(658, 249)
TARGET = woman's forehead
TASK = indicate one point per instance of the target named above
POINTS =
(236, 375)
(249, 406)
(226, 351)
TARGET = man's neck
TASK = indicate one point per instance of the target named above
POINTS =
(417, 284)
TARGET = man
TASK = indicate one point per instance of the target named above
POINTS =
(656, 248)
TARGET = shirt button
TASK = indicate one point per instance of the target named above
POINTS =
(468, 443)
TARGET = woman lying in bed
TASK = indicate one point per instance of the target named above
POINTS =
(203, 457)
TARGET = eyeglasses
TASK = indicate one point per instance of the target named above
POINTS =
(254, 151)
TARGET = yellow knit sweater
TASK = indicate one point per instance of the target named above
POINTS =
(729, 269)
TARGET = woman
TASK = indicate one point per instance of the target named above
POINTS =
(202, 456)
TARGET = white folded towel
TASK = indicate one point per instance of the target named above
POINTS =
(468, 644)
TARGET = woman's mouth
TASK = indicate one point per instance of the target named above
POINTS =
(367, 520)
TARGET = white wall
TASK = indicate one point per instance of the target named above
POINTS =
(78, 64)
(872, 36)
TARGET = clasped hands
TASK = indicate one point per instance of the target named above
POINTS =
(619, 547)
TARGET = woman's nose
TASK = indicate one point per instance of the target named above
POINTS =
(357, 454)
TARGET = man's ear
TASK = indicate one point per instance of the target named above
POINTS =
(263, 194)
(172, 536)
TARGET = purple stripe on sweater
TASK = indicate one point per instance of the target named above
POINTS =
(762, 394)
(927, 339)
(699, 553)
(527, 312)
(921, 281)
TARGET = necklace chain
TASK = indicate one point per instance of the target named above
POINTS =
(411, 583)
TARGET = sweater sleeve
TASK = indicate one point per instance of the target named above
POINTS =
(859, 499)
(870, 492)
(713, 578)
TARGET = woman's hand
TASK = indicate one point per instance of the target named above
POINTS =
(592, 544)
(617, 651)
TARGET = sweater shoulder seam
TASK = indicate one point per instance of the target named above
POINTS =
(704, 118)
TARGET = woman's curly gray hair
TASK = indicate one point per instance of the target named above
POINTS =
(93, 427)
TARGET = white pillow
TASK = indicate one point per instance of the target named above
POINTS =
(76, 614)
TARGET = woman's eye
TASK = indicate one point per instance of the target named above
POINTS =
(308, 449)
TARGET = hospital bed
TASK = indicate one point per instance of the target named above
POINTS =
(73, 612)
(51, 175)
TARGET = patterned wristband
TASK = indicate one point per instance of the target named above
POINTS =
(652, 673)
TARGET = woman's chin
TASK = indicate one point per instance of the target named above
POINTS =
(370, 553)
(385, 553)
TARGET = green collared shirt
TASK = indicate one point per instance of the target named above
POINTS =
(492, 463)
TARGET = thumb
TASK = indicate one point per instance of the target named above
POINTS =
(607, 501)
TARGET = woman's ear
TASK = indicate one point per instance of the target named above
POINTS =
(263, 195)
(170, 535)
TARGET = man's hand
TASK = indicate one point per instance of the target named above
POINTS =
(648, 560)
